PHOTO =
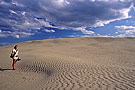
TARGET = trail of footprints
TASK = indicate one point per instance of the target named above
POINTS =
(61, 75)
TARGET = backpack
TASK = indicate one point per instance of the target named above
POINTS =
(11, 56)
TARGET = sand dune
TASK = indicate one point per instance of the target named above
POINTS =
(70, 64)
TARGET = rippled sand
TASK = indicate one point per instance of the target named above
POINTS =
(71, 64)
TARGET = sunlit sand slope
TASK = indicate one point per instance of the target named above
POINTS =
(96, 63)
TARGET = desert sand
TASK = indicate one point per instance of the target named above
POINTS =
(96, 63)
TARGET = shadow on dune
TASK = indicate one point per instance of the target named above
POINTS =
(5, 69)
(37, 68)
(48, 72)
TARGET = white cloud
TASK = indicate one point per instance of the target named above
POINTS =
(44, 23)
(12, 11)
(99, 35)
(126, 31)
(84, 31)
(23, 13)
(73, 36)
(111, 0)
(60, 3)
(20, 34)
(4, 33)
(15, 34)
(3, 3)
(14, 2)
(126, 27)
(49, 31)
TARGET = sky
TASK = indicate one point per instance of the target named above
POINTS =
(26, 20)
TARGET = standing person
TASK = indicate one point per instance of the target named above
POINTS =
(15, 56)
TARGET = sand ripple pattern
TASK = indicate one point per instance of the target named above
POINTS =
(61, 75)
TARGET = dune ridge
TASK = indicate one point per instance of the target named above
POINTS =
(98, 63)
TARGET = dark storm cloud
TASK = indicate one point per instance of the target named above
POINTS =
(79, 13)
(22, 14)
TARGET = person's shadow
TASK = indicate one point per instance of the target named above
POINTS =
(5, 69)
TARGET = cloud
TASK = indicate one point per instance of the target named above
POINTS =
(125, 31)
(15, 34)
(126, 27)
(20, 34)
(49, 31)
(84, 31)
(86, 12)
(12, 11)
(4, 33)
(24, 15)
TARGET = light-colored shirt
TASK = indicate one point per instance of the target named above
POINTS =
(15, 52)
